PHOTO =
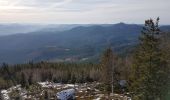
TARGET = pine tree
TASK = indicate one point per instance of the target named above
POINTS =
(24, 83)
(6, 69)
(149, 76)
(107, 64)
(30, 79)
(73, 79)
(166, 46)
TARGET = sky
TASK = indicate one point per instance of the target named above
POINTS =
(83, 11)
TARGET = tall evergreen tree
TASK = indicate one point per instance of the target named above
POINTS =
(166, 46)
(24, 82)
(6, 69)
(150, 71)
(30, 79)
(107, 64)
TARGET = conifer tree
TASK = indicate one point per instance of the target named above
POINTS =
(107, 64)
(24, 83)
(30, 79)
(150, 71)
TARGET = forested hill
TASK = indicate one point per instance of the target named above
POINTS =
(78, 43)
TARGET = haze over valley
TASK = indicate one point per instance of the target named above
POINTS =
(84, 50)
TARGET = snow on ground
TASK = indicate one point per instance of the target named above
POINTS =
(5, 95)
(97, 99)
(64, 90)
(56, 85)
(52, 85)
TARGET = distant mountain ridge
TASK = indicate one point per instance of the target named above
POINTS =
(77, 43)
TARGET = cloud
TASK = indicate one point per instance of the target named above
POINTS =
(43, 3)
(37, 4)
(83, 11)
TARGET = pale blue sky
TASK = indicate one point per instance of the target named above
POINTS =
(83, 11)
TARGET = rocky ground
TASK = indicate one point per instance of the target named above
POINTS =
(86, 91)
